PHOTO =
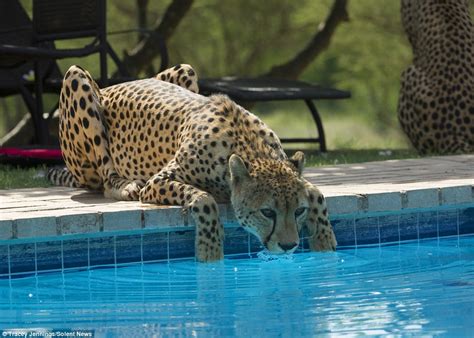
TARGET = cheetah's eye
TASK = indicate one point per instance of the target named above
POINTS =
(268, 213)
(300, 211)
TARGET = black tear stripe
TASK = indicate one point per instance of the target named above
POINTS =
(271, 233)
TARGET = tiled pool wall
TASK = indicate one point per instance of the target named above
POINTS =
(25, 256)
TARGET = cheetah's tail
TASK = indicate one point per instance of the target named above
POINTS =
(62, 177)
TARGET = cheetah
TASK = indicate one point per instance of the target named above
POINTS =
(158, 140)
(436, 102)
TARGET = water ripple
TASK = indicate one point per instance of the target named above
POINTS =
(424, 288)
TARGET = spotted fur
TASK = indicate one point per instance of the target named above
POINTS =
(436, 103)
(159, 141)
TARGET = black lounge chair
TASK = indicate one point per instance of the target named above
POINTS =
(27, 46)
(271, 89)
(16, 32)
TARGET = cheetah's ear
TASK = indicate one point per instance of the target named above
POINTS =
(298, 161)
(238, 171)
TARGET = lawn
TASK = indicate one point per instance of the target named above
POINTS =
(14, 177)
(335, 157)
(343, 130)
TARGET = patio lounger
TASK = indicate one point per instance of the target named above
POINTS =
(27, 47)
(271, 89)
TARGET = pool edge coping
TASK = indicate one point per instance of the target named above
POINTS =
(87, 221)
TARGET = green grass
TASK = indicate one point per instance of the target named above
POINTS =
(346, 156)
(15, 177)
(343, 131)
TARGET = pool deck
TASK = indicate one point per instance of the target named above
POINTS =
(375, 187)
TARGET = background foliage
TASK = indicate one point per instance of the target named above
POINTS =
(247, 37)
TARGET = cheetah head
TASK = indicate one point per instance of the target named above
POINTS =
(270, 200)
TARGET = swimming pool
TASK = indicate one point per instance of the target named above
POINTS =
(420, 287)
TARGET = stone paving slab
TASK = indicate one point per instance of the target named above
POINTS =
(388, 186)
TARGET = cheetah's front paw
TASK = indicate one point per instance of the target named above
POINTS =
(131, 192)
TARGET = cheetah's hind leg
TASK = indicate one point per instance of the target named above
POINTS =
(84, 140)
(62, 177)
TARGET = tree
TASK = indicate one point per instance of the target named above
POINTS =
(148, 48)
(293, 68)
(139, 60)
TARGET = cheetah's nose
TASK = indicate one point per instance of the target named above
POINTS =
(287, 246)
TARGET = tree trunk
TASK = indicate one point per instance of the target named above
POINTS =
(142, 22)
(148, 48)
(293, 68)
(142, 18)
(144, 53)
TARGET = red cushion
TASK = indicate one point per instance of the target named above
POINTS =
(32, 153)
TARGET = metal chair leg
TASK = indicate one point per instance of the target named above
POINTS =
(319, 125)
(41, 127)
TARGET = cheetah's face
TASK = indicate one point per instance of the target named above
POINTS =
(271, 202)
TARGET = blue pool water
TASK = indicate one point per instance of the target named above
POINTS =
(424, 287)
